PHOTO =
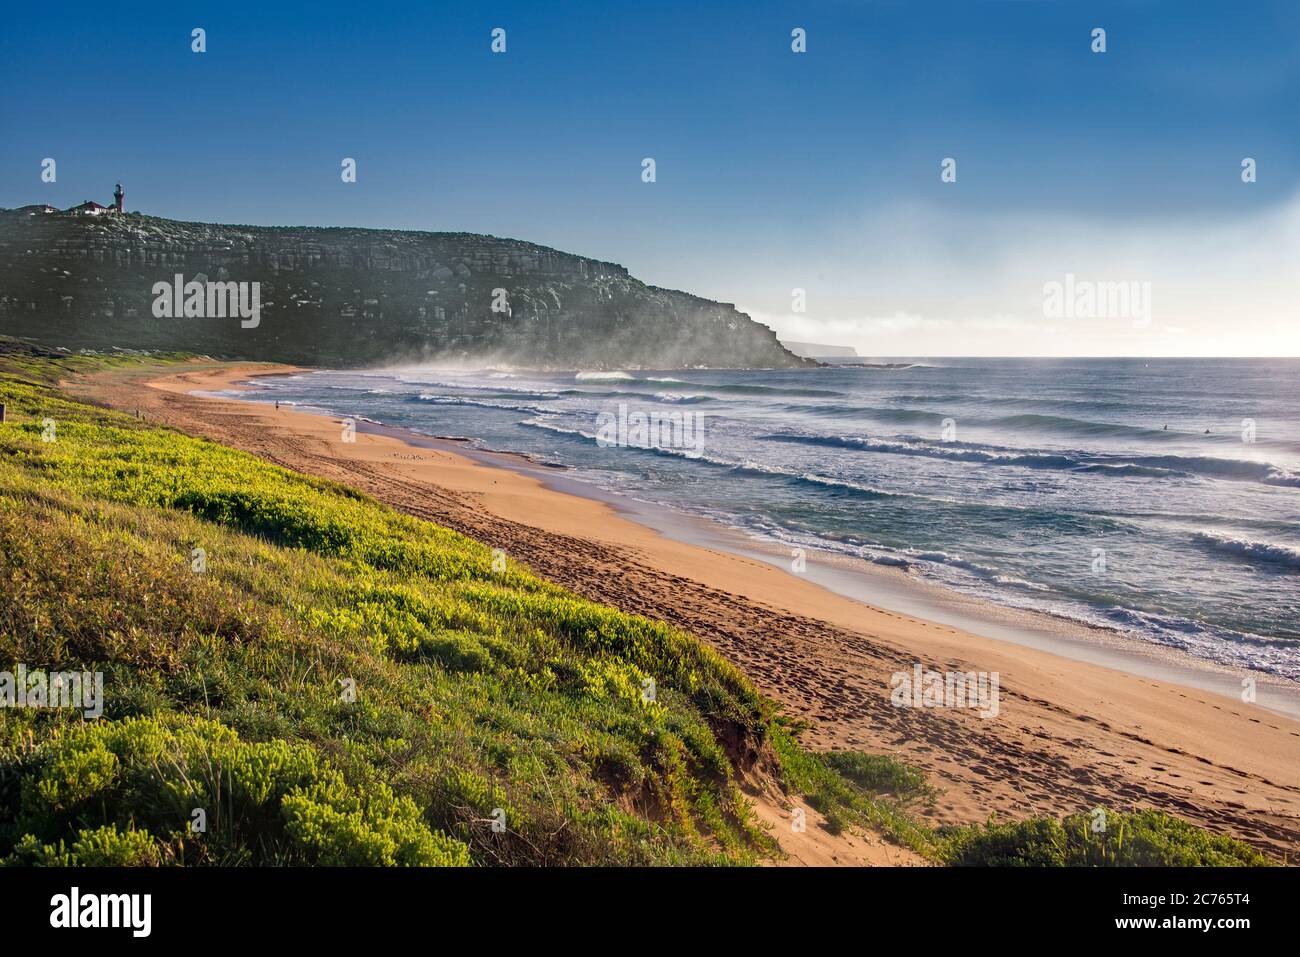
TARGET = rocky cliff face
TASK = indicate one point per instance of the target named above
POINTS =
(352, 297)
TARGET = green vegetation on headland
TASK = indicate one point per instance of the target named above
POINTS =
(329, 681)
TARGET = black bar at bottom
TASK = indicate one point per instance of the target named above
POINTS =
(332, 907)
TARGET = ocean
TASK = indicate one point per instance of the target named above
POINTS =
(1159, 498)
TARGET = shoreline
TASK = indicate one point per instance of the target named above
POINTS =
(1070, 734)
(878, 587)
(896, 591)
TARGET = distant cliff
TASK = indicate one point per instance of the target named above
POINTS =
(352, 297)
(820, 350)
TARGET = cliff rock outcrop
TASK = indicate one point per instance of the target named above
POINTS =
(352, 297)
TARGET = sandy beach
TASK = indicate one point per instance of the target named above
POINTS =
(1068, 734)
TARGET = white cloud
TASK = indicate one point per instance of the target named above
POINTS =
(959, 284)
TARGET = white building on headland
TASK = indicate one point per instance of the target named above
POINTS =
(88, 208)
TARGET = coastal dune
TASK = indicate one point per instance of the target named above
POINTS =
(1067, 736)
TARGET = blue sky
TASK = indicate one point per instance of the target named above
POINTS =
(775, 170)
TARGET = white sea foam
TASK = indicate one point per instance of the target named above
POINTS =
(1268, 553)
(603, 377)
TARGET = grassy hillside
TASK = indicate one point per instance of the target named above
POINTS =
(332, 682)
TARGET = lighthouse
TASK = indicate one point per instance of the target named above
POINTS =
(118, 196)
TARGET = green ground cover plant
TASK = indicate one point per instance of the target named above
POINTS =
(319, 679)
